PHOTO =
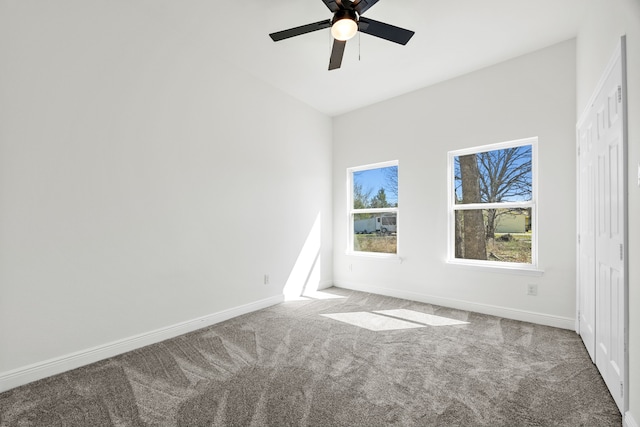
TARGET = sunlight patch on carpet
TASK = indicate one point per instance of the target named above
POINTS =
(313, 295)
(322, 295)
(388, 320)
(423, 318)
(372, 321)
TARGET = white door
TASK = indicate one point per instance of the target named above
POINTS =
(609, 238)
(586, 238)
(602, 227)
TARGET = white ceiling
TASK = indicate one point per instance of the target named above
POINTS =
(453, 37)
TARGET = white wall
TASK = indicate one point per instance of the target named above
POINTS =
(143, 182)
(533, 95)
(603, 24)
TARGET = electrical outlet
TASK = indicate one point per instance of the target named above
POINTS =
(532, 289)
(266, 279)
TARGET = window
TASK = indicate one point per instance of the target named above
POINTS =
(492, 205)
(373, 209)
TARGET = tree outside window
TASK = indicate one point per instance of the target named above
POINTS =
(492, 203)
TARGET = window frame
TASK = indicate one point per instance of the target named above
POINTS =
(532, 204)
(351, 211)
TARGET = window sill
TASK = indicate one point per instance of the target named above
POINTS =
(520, 269)
(376, 256)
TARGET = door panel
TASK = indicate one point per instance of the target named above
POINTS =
(586, 243)
(602, 259)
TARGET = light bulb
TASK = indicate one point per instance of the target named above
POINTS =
(344, 29)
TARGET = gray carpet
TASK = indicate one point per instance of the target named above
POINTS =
(293, 365)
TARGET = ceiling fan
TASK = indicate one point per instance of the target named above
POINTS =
(347, 21)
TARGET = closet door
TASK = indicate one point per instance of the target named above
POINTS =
(610, 234)
(602, 226)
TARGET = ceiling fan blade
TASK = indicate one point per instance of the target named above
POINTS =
(385, 31)
(336, 54)
(361, 6)
(297, 31)
(332, 5)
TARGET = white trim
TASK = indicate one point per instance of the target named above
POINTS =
(629, 420)
(497, 146)
(378, 256)
(625, 186)
(498, 267)
(492, 310)
(498, 205)
(47, 368)
(578, 223)
(375, 210)
(378, 165)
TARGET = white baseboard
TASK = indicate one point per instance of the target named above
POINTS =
(508, 313)
(629, 421)
(47, 368)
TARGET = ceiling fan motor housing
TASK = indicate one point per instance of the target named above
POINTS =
(344, 14)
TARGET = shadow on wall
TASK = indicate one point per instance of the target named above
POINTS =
(305, 274)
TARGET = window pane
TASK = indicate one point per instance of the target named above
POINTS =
(502, 235)
(375, 188)
(375, 233)
(494, 176)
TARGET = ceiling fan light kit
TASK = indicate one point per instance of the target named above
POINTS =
(347, 21)
(344, 25)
